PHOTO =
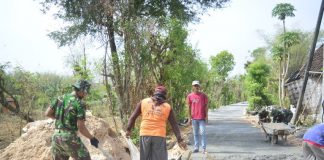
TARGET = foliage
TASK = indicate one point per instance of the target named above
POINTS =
(22, 94)
(299, 51)
(227, 96)
(34, 91)
(51, 86)
(218, 87)
(277, 53)
(297, 57)
(259, 54)
(237, 89)
(40, 87)
(178, 72)
(138, 35)
(289, 38)
(281, 54)
(89, 17)
(135, 135)
(256, 85)
(283, 10)
(222, 64)
(81, 70)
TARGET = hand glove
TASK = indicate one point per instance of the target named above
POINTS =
(94, 141)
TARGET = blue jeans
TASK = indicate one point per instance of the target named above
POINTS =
(199, 128)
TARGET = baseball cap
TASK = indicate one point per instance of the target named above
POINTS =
(195, 83)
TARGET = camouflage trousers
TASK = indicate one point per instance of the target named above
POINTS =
(67, 144)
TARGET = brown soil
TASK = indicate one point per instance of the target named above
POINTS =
(35, 143)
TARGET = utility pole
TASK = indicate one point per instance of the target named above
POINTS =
(309, 64)
(322, 95)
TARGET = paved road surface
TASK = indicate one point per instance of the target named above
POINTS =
(231, 136)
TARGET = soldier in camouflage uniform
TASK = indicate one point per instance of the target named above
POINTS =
(69, 114)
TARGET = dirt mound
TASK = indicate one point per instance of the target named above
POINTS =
(35, 143)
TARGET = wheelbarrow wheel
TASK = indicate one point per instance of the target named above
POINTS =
(268, 138)
(274, 139)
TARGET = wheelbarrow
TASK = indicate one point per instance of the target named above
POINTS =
(274, 130)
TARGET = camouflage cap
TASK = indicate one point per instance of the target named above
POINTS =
(82, 85)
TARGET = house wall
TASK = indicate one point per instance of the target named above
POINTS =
(293, 91)
(312, 95)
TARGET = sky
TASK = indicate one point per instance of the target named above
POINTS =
(239, 28)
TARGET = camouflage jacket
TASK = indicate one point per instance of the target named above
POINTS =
(68, 109)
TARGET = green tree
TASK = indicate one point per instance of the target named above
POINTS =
(298, 56)
(283, 10)
(15, 91)
(256, 83)
(218, 88)
(289, 39)
(175, 71)
(139, 27)
(259, 54)
(222, 64)
(299, 51)
(79, 63)
(237, 89)
(50, 86)
(281, 55)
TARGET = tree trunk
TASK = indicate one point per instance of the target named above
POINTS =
(285, 76)
(284, 25)
(127, 74)
(279, 84)
(116, 65)
(282, 71)
(108, 89)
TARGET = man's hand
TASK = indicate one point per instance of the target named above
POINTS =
(50, 113)
(128, 134)
(190, 121)
(94, 141)
(206, 120)
(182, 144)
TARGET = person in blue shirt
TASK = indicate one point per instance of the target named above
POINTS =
(313, 143)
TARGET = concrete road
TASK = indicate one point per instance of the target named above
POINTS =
(231, 136)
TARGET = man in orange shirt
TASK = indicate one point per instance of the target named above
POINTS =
(155, 113)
